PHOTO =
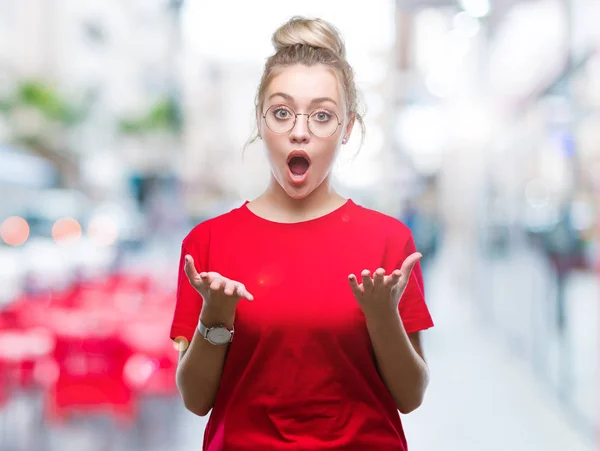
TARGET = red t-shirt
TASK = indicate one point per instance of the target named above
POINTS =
(300, 373)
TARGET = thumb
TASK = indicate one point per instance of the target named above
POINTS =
(190, 269)
(410, 262)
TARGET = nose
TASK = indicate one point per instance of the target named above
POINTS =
(300, 132)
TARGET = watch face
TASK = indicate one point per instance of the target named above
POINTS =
(219, 335)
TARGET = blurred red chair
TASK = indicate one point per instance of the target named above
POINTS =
(90, 360)
(151, 369)
(20, 352)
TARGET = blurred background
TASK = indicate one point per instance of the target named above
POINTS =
(122, 125)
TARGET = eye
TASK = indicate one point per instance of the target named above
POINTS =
(322, 116)
(282, 113)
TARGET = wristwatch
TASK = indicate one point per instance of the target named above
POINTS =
(217, 335)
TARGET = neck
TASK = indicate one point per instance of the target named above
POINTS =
(321, 201)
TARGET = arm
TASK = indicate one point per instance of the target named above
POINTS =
(213, 299)
(201, 365)
(400, 360)
(398, 354)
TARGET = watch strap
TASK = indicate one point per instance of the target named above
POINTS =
(202, 329)
(205, 330)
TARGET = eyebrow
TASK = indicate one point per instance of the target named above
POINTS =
(291, 99)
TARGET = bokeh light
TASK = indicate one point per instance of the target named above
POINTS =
(139, 369)
(102, 230)
(180, 344)
(14, 231)
(66, 230)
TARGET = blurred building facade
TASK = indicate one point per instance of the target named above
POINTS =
(87, 83)
(496, 102)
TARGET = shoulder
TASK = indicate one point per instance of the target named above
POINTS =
(383, 223)
(202, 231)
(393, 234)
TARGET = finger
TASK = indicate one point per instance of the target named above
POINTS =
(190, 268)
(378, 277)
(366, 280)
(212, 276)
(393, 278)
(230, 288)
(409, 264)
(243, 293)
(356, 288)
(205, 278)
(217, 284)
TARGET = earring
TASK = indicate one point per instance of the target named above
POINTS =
(344, 141)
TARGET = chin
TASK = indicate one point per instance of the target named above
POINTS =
(298, 194)
(295, 191)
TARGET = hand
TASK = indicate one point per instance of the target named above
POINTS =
(382, 293)
(216, 290)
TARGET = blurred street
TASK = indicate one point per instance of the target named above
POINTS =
(482, 395)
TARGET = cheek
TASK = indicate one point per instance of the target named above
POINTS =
(273, 146)
(328, 153)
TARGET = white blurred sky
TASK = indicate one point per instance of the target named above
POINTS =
(242, 30)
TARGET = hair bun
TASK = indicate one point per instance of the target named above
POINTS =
(316, 33)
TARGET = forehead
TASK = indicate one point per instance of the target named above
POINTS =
(305, 83)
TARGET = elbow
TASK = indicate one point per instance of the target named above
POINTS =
(191, 400)
(413, 399)
(194, 404)
(196, 408)
(411, 403)
(409, 406)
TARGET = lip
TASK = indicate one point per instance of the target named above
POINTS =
(298, 153)
(298, 180)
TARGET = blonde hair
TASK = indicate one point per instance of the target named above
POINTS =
(310, 42)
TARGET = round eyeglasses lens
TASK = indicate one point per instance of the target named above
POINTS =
(280, 118)
(323, 123)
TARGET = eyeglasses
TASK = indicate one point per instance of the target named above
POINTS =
(282, 119)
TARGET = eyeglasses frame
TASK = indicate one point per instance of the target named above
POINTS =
(308, 115)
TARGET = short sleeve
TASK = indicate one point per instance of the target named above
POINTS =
(188, 301)
(413, 308)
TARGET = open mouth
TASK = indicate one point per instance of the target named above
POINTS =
(298, 163)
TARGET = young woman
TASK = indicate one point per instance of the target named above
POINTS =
(298, 313)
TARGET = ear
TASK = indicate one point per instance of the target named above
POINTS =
(348, 128)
